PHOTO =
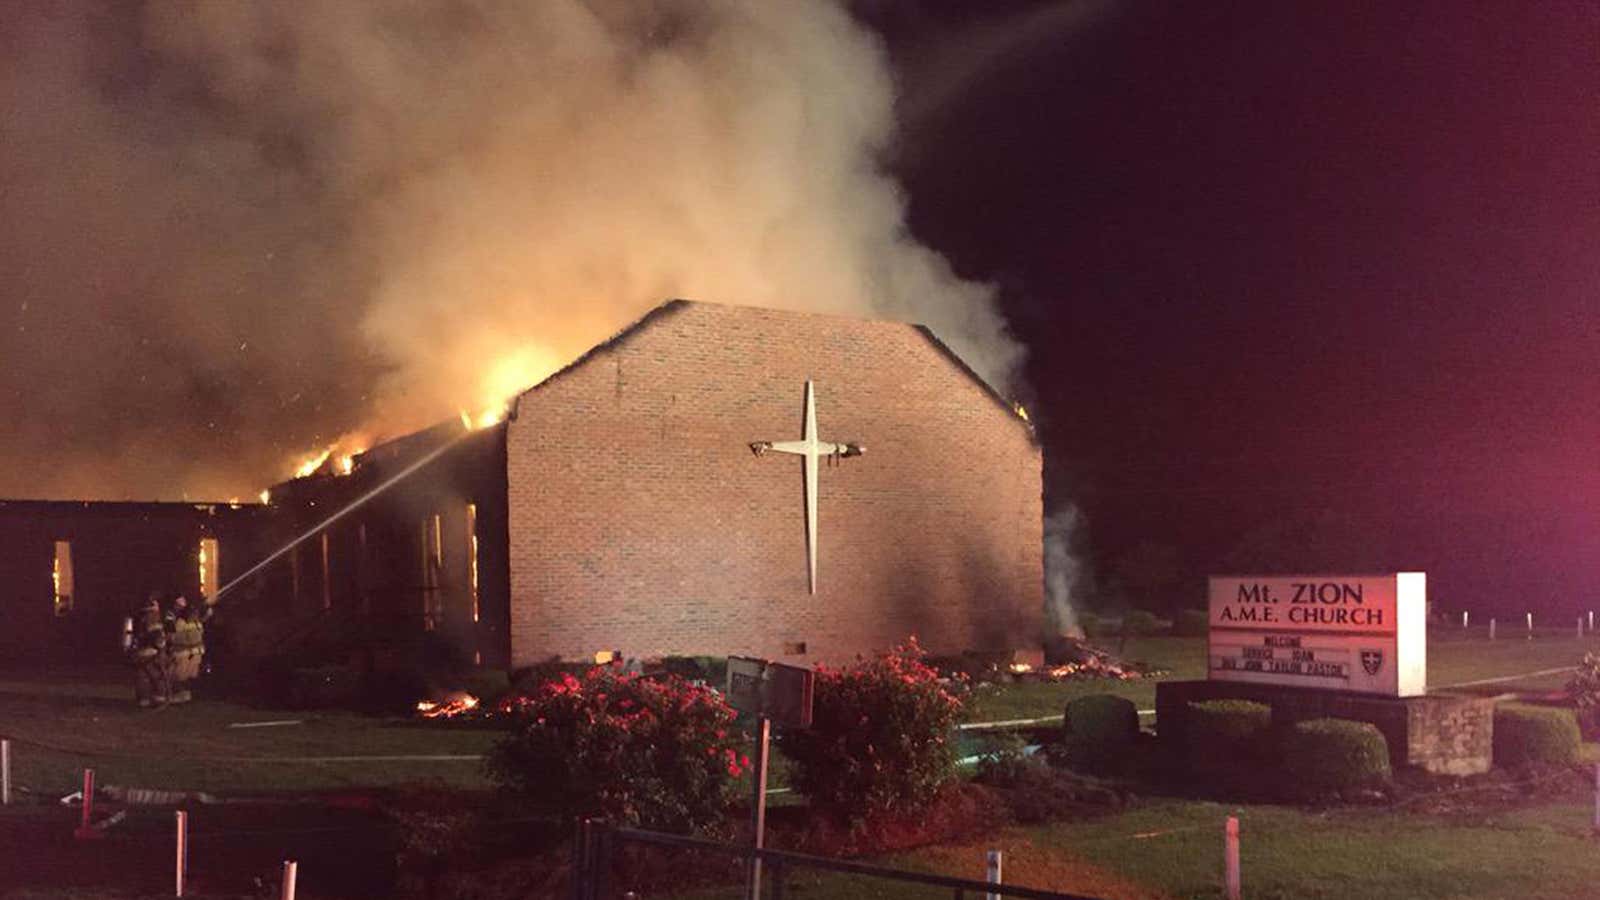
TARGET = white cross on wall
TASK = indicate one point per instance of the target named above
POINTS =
(811, 450)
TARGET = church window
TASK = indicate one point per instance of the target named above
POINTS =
(432, 565)
(472, 556)
(61, 578)
(210, 563)
(327, 577)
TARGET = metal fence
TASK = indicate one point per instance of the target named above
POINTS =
(597, 846)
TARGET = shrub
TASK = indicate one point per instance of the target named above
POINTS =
(1223, 733)
(1531, 736)
(1191, 623)
(1103, 718)
(1330, 756)
(656, 753)
(1094, 625)
(1034, 791)
(1584, 691)
(1136, 622)
(880, 736)
(1098, 731)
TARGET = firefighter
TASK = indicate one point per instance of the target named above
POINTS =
(187, 643)
(147, 652)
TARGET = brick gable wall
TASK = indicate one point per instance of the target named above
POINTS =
(640, 520)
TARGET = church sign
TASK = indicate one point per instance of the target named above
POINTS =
(770, 690)
(1359, 633)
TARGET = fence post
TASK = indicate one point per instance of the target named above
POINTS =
(1230, 857)
(290, 871)
(1530, 626)
(1464, 619)
(580, 859)
(181, 866)
(601, 884)
(1597, 797)
(775, 878)
(5, 772)
(1491, 629)
(992, 859)
(85, 829)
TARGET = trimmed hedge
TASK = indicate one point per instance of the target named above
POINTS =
(1527, 736)
(1191, 623)
(1102, 718)
(1227, 725)
(1324, 757)
(1227, 737)
(1136, 622)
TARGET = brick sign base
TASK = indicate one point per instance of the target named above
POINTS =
(1443, 735)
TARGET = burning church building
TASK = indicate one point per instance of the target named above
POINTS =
(712, 480)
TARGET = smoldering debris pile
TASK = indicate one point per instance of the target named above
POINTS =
(1072, 658)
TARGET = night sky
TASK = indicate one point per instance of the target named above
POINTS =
(1303, 285)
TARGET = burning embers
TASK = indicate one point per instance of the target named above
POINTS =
(453, 704)
(1071, 658)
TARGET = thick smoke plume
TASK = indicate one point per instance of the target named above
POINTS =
(236, 232)
(1063, 571)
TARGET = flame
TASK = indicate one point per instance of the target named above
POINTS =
(266, 496)
(457, 704)
(1020, 668)
(1021, 411)
(504, 379)
(347, 463)
(309, 465)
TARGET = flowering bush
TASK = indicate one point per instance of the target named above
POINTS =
(880, 735)
(649, 752)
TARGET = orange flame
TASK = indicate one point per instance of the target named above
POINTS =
(457, 704)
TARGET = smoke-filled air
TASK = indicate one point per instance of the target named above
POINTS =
(237, 235)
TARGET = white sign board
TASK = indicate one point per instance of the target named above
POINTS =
(1360, 633)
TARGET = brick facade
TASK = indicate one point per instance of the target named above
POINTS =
(621, 508)
(640, 520)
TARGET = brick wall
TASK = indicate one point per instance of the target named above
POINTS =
(640, 520)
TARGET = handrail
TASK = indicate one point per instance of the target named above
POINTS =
(790, 858)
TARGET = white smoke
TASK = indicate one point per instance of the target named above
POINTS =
(1064, 576)
(361, 214)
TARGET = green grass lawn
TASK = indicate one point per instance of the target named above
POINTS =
(1173, 849)
(57, 731)
(63, 724)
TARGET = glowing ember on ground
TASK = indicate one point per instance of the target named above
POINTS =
(1020, 668)
(453, 705)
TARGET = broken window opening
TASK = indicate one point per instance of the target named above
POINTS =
(61, 578)
(327, 579)
(472, 555)
(432, 563)
(210, 559)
